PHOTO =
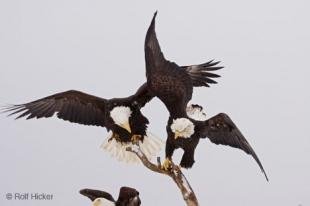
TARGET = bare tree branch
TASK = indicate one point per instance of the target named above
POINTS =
(175, 173)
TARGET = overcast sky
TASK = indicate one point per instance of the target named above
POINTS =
(97, 47)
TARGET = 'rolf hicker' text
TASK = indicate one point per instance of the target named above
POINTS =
(33, 196)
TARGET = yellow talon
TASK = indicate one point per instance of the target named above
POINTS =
(167, 164)
(136, 138)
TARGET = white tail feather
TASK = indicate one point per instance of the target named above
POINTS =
(150, 146)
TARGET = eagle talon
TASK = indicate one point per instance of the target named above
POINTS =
(167, 164)
(114, 136)
(136, 138)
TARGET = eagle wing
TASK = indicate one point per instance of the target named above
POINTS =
(72, 106)
(221, 129)
(142, 96)
(171, 83)
(94, 194)
(201, 74)
(153, 54)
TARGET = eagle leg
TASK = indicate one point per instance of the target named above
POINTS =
(167, 164)
(187, 160)
(136, 138)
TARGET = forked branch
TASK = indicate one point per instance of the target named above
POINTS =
(175, 173)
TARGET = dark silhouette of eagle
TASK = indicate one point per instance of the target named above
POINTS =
(127, 197)
(174, 87)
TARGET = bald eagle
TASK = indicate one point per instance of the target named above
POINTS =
(127, 197)
(122, 116)
(174, 87)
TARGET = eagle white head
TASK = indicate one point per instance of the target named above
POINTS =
(103, 202)
(120, 116)
(182, 127)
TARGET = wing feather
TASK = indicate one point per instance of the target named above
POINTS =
(152, 48)
(201, 75)
(94, 194)
(222, 130)
(142, 96)
(27, 112)
(73, 106)
(172, 85)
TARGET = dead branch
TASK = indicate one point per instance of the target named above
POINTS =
(175, 173)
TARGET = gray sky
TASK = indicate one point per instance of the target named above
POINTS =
(97, 47)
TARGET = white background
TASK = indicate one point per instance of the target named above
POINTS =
(97, 47)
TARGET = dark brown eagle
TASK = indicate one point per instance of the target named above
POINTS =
(127, 197)
(174, 87)
(122, 116)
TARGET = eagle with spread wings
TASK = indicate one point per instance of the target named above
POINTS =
(122, 116)
(174, 87)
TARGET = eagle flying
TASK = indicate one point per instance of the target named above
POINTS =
(122, 116)
(174, 87)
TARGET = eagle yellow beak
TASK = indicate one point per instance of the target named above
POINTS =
(177, 135)
(126, 126)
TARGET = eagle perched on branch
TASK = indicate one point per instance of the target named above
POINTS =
(122, 116)
(174, 87)
(166, 80)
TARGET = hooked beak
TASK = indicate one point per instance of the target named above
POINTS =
(177, 135)
(126, 126)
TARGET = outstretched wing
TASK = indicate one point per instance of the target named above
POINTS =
(201, 74)
(73, 106)
(222, 130)
(94, 194)
(165, 79)
(153, 54)
(171, 83)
